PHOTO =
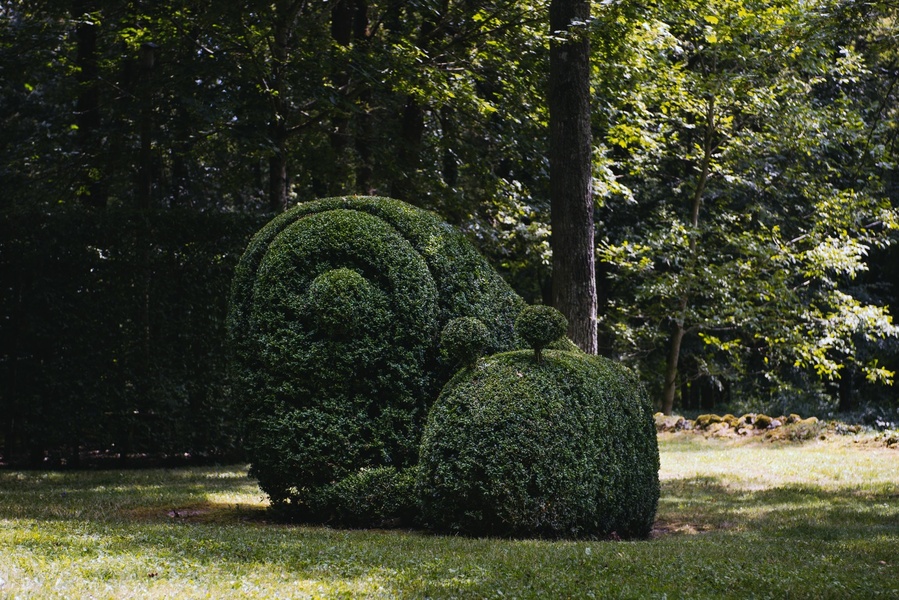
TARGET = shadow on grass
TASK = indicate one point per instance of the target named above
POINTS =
(180, 527)
(227, 495)
(121, 495)
(709, 503)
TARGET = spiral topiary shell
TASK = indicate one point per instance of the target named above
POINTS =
(337, 308)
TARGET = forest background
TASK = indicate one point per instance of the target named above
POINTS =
(744, 176)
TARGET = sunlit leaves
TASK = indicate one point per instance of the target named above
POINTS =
(830, 333)
(744, 112)
(836, 256)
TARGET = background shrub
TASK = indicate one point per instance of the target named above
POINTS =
(337, 307)
(112, 334)
(561, 448)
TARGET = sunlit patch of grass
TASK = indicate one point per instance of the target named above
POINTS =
(757, 520)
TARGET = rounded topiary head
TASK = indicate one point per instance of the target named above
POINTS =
(343, 300)
(563, 448)
(463, 341)
(540, 326)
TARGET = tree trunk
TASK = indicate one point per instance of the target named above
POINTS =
(412, 120)
(846, 398)
(408, 157)
(278, 129)
(450, 166)
(349, 25)
(670, 386)
(677, 335)
(570, 159)
(277, 163)
(145, 185)
(341, 32)
(277, 173)
(362, 34)
(363, 139)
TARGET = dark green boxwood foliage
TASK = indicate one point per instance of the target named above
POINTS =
(80, 291)
(539, 326)
(463, 341)
(373, 497)
(562, 448)
(337, 308)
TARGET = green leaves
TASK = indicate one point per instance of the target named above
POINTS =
(561, 448)
(335, 318)
(735, 134)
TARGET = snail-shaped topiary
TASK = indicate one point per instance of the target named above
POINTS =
(564, 447)
(539, 326)
(463, 341)
(337, 308)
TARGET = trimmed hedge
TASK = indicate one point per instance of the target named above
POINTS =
(463, 340)
(370, 497)
(561, 448)
(540, 326)
(337, 308)
(112, 330)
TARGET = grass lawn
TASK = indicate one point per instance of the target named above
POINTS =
(736, 520)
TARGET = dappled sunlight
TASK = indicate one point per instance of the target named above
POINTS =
(761, 465)
(149, 560)
(250, 498)
(154, 575)
(729, 515)
(227, 474)
(691, 506)
(775, 490)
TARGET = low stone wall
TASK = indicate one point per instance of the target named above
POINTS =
(785, 427)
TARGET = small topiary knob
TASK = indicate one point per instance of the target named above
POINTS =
(341, 299)
(540, 326)
(463, 340)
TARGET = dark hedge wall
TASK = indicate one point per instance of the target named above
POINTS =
(112, 329)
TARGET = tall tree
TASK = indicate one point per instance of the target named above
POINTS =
(571, 167)
(735, 140)
(87, 111)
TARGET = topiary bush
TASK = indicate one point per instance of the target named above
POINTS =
(336, 312)
(539, 326)
(463, 340)
(561, 448)
(370, 497)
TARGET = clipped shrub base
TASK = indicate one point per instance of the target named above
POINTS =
(561, 448)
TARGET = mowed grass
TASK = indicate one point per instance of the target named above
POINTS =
(758, 520)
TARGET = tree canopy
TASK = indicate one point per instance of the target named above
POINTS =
(743, 172)
(758, 190)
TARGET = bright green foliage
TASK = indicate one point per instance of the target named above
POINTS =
(336, 312)
(562, 448)
(758, 197)
(540, 326)
(463, 340)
